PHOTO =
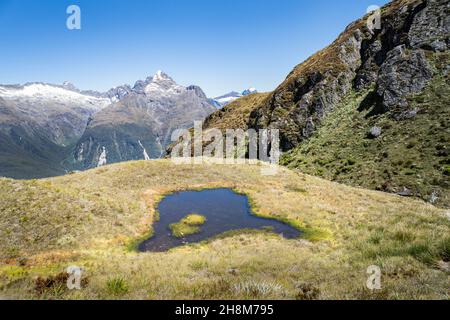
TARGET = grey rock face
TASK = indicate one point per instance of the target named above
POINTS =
(405, 115)
(198, 91)
(431, 27)
(404, 72)
(372, 59)
(140, 85)
(119, 93)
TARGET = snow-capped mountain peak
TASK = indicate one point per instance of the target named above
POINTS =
(160, 76)
(162, 84)
(222, 101)
(159, 85)
(249, 91)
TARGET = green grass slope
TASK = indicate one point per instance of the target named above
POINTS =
(30, 157)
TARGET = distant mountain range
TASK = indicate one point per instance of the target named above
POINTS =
(48, 130)
(225, 99)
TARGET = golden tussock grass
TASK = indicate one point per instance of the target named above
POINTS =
(90, 219)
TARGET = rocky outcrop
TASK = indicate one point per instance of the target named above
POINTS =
(119, 93)
(198, 91)
(431, 26)
(405, 72)
(391, 59)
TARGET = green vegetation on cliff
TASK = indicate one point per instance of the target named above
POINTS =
(409, 153)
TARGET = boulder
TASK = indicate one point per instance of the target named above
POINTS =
(405, 72)
(405, 192)
(375, 132)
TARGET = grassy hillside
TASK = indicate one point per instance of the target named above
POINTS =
(93, 220)
(30, 156)
(412, 153)
(236, 114)
(327, 106)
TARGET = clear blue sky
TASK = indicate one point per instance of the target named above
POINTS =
(221, 45)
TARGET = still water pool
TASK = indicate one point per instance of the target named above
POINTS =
(224, 211)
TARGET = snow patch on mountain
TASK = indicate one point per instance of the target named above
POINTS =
(146, 157)
(159, 76)
(249, 91)
(102, 159)
(80, 153)
(41, 92)
(220, 102)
